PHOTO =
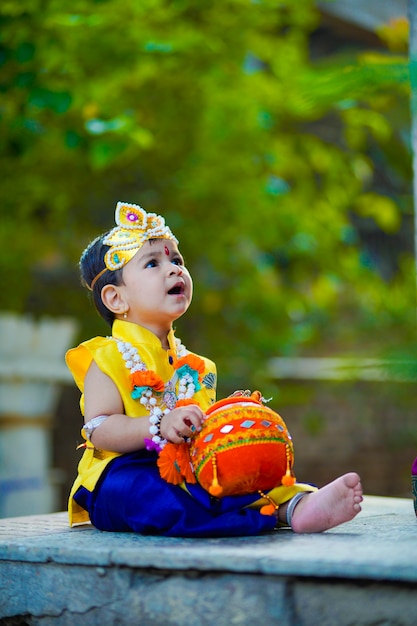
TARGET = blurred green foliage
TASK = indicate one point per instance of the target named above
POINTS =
(264, 162)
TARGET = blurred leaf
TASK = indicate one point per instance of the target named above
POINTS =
(381, 209)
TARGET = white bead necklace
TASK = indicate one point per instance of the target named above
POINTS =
(166, 400)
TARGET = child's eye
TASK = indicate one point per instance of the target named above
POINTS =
(151, 263)
(177, 261)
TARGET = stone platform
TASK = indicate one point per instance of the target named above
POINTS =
(363, 573)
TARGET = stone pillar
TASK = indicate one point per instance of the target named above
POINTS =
(32, 368)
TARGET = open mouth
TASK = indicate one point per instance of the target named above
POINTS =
(177, 289)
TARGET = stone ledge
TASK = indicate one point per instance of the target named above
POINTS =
(380, 544)
(358, 573)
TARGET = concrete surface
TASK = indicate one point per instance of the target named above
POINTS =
(361, 573)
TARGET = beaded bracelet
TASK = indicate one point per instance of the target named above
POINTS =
(155, 420)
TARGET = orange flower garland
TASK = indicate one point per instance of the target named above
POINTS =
(193, 361)
(147, 378)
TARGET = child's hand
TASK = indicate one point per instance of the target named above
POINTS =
(181, 423)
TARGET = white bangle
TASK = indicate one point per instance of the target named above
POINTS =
(91, 425)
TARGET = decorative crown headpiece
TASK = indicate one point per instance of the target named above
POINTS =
(134, 227)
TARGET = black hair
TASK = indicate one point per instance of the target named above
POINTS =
(91, 264)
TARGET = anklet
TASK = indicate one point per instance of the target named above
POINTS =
(292, 504)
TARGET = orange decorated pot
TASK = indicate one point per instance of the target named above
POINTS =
(244, 447)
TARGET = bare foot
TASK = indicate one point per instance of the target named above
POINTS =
(333, 504)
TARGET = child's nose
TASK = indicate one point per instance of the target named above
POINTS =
(176, 269)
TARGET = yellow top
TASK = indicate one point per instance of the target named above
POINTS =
(105, 353)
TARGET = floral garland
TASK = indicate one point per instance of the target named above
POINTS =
(157, 397)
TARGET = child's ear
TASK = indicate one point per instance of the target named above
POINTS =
(113, 299)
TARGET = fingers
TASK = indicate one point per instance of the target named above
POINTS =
(182, 423)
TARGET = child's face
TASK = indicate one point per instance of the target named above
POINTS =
(157, 287)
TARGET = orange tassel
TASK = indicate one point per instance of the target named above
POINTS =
(289, 479)
(215, 488)
(268, 509)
